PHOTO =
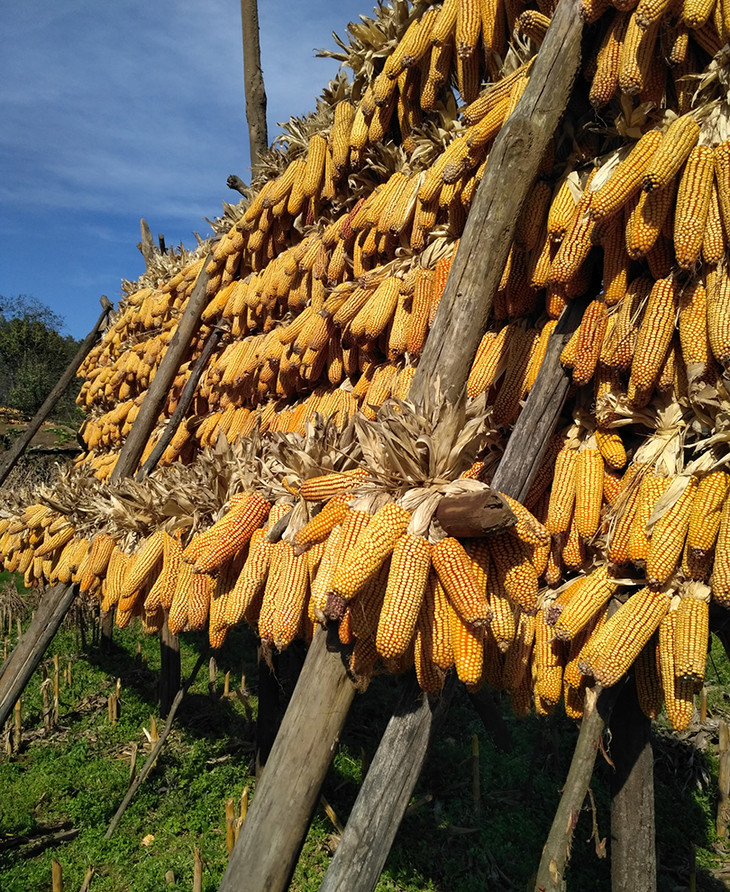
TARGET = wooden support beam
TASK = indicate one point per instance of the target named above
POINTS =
(633, 849)
(20, 665)
(21, 444)
(149, 412)
(462, 316)
(268, 845)
(199, 366)
(596, 713)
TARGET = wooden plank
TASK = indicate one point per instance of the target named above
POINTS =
(462, 316)
(268, 845)
(633, 850)
(20, 445)
(24, 660)
(149, 412)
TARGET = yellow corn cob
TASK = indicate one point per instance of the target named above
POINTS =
(704, 522)
(588, 491)
(693, 204)
(55, 541)
(374, 545)
(365, 608)
(562, 495)
(696, 12)
(616, 646)
(443, 652)
(648, 682)
(692, 324)
(668, 536)
(616, 261)
(229, 534)
(713, 238)
(291, 596)
(722, 177)
(513, 562)
(430, 676)
(317, 489)
(718, 319)
(605, 79)
(677, 142)
(413, 45)
(586, 600)
(457, 575)
(514, 383)
(468, 647)
(625, 181)
(528, 527)
(146, 559)
(589, 339)
(611, 447)
(491, 354)
(517, 656)
(321, 525)
(678, 693)
(655, 335)
(635, 56)
(409, 568)
(548, 662)
(691, 635)
(340, 136)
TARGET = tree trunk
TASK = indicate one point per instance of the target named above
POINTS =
(54, 396)
(253, 81)
(633, 851)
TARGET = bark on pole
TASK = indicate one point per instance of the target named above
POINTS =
(462, 316)
(55, 395)
(633, 849)
(253, 80)
(186, 397)
(167, 370)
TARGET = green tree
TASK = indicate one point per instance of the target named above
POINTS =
(33, 356)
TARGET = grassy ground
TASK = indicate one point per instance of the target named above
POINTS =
(78, 773)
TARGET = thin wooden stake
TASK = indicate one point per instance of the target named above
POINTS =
(56, 876)
(87, 880)
(68, 674)
(230, 825)
(723, 780)
(703, 705)
(197, 871)
(133, 763)
(47, 712)
(56, 689)
(154, 734)
(212, 677)
(244, 805)
(152, 758)
(19, 625)
(18, 730)
(227, 684)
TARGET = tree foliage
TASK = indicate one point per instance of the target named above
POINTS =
(33, 356)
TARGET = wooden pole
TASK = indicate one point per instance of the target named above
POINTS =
(633, 850)
(23, 661)
(288, 789)
(253, 80)
(56, 876)
(186, 397)
(723, 780)
(556, 851)
(461, 319)
(167, 370)
(20, 445)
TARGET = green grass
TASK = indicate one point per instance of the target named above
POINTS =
(80, 772)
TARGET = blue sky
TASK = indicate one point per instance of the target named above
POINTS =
(115, 111)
